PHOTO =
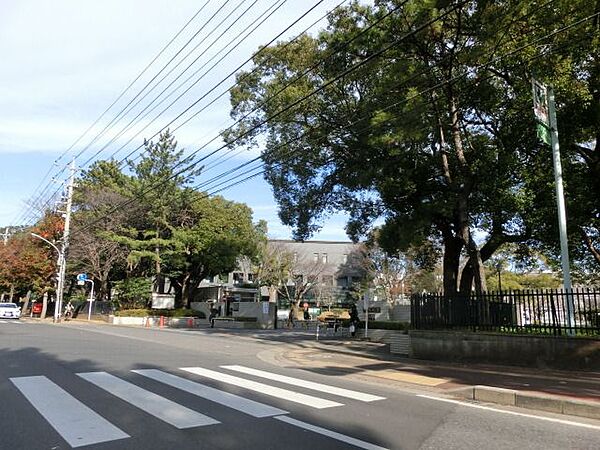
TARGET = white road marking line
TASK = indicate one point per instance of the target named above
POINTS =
(233, 401)
(74, 421)
(512, 413)
(166, 410)
(306, 384)
(329, 433)
(285, 394)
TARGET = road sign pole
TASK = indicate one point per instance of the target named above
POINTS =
(91, 300)
(562, 214)
(545, 113)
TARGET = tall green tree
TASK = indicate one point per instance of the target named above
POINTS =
(435, 136)
(211, 235)
(158, 180)
(97, 220)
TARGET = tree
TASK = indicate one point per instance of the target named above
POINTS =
(573, 68)
(434, 136)
(158, 184)
(292, 276)
(28, 264)
(211, 236)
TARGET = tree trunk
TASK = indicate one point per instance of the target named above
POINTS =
(12, 293)
(26, 302)
(185, 290)
(44, 305)
(452, 249)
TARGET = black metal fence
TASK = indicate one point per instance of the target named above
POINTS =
(530, 311)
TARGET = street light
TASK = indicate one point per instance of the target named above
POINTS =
(60, 277)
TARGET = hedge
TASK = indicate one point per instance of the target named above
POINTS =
(381, 325)
(143, 312)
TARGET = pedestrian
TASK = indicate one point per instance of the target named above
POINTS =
(69, 310)
(290, 322)
(214, 312)
(354, 320)
(305, 316)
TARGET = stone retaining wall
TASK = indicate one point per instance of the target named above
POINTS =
(496, 348)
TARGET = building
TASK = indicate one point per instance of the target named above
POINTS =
(320, 273)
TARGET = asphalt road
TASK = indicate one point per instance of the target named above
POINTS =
(103, 387)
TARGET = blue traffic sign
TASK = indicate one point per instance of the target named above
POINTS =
(82, 277)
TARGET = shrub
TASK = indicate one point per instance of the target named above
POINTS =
(132, 293)
(144, 312)
(381, 325)
(245, 319)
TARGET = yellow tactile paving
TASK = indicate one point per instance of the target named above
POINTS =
(389, 374)
(406, 377)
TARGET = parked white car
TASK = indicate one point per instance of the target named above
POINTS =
(9, 311)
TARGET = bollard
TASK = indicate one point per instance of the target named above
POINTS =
(147, 324)
(162, 321)
(318, 331)
(190, 323)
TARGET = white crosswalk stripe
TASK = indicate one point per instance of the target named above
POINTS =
(236, 402)
(306, 384)
(79, 425)
(285, 394)
(329, 433)
(166, 410)
(75, 422)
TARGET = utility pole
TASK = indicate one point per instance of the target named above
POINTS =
(65, 244)
(545, 112)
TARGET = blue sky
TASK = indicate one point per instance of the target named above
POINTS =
(65, 61)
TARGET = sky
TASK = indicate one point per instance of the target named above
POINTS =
(65, 61)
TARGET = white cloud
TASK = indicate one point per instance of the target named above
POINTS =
(65, 61)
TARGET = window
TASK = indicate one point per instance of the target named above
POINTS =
(295, 256)
(342, 282)
(315, 257)
(250, 277)
(344, 259)
(238, 277)
(324, 258)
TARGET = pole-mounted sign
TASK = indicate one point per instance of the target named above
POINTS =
(540, 110)
(81, 279)
(547, 130)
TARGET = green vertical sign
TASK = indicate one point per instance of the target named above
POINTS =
(540, 110)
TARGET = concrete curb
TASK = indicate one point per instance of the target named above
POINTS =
(530, 400)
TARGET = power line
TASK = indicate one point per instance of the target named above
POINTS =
(252, 172)
(133, 122)
(315, 91)
(277, 37)
(122, 112)
(144, 70)
(262, 18)
(321, 60)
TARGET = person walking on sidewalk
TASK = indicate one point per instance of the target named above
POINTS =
(290, 322)
(354, 320)
(214, 312)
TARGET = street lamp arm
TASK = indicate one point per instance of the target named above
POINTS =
(47, 242)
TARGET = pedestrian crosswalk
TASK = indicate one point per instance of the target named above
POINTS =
(61, 409)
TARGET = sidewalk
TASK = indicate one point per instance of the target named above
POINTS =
(573, 393)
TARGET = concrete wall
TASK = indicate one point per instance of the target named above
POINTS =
(556, 352)
(400, 313)
(265, 318)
